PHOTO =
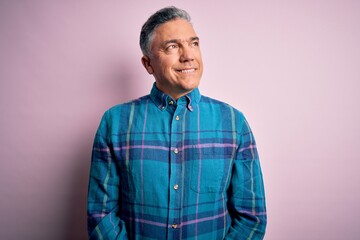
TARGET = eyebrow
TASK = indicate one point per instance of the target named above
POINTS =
(178, 40)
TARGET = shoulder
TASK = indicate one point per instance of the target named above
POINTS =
(220, 106)
(118, 115)
(125, 108)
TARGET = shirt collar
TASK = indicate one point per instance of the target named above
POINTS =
(162, 100)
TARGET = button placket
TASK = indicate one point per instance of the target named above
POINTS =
(176, 166)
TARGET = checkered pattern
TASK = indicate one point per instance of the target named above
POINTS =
(166, 169)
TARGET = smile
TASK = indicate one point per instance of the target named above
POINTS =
(186, 70)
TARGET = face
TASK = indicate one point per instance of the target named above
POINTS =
(175, 59)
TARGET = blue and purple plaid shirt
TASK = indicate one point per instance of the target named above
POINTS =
(166, 169)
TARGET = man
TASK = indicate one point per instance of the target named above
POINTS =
(174, 164)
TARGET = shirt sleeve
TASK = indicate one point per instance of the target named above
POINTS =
(246, 203)
(103, 193)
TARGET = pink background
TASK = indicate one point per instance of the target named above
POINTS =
(293, 68)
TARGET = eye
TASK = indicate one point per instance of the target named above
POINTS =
(195, 43)
(171, 47)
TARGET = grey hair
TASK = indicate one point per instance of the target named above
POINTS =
(162, 16)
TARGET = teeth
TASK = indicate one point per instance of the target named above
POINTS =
(187, 70)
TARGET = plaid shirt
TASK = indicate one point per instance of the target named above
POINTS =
(166, 169)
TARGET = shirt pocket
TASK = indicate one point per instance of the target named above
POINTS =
(210, 170)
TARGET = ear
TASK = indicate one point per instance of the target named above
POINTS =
(145, 60)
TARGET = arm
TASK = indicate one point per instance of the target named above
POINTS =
(103, 195)
(246, 202)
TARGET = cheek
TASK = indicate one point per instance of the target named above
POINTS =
(199, 58)
(166, 66)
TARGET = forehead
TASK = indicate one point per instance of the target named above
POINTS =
(175, 29)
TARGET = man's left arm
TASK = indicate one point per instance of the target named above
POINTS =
(246, 202)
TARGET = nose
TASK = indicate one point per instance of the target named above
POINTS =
(187, 54)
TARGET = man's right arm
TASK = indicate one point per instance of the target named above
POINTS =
(103, 195)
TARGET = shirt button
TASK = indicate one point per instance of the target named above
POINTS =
(177, 118)
(176, 187)
(171, 102)
(174, 226)
(176, 151)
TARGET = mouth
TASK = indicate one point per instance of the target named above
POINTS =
(187, 70)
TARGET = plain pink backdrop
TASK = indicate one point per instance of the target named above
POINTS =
(293, 68)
